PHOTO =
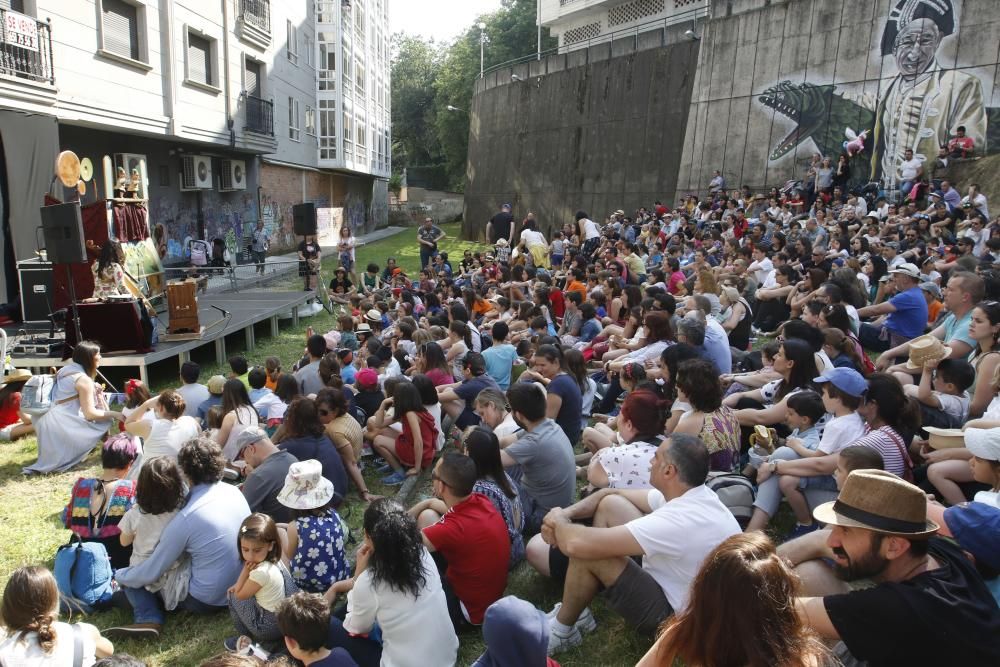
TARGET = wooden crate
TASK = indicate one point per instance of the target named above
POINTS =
(182, 306)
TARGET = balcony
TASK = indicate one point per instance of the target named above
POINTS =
(254, 22)
(25, 48)
(259, 116)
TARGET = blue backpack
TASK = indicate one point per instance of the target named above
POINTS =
(83, 574)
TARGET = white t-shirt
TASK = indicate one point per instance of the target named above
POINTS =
(676, 537)
(147, 529)
(763, 271)
(167, 436)
(531, 237)
(269, 406)
(272, 584)
(841, 432)
(988, 498)
(412, 631)
(590, 229)
(22, 650)
(909, 168)
(507, 427)
(954, 406)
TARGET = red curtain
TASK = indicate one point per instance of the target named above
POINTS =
(130, 222)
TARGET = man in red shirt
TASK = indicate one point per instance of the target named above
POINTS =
(469, 542)
(960, 145)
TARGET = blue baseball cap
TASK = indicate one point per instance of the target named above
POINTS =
(846, 380)
(976, 526)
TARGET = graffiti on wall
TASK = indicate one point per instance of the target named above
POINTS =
(920, 106)
(354, 210)
(380, 203)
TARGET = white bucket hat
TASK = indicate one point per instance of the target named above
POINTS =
(305, 487)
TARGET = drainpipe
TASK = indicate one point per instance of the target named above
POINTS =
(167, 27)
(230, 121)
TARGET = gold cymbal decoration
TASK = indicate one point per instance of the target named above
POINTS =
(68, 168)
(86, 169)
(81, 187)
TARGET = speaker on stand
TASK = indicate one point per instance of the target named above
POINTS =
(62, 228)
(304, 219)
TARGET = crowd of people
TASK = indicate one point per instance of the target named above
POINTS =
(575, 401)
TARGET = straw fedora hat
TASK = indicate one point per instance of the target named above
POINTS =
(363, 328)
(944, 438)
(923, 348)
(881, 502)
(16, 375)
(374, 315)
(305, 487)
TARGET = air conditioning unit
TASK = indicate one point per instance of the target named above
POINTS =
(233, 176)
(128, 162)
(196, 172)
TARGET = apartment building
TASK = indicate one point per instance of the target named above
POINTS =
(239, 110)
(582, 23)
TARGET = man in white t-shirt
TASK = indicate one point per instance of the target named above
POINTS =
(909, 171)
(673, 527)
(762, 268)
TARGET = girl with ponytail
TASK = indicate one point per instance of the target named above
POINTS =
(34, 636)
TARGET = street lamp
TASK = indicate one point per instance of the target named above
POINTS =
(482, 45)
(514, 77)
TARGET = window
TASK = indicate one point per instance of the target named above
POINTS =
(326, 12)
(199, 60)
(294, 133)
(348, 143)
(292, 43)
(309, 51)
(327, 65)
(252, 78)
(310, 121)
(121, 30)
(327, 129)
(359, 77)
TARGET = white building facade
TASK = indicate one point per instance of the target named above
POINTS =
(290, 96)
(582, 23)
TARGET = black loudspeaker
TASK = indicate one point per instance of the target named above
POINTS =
(304, 219)
(62, 227)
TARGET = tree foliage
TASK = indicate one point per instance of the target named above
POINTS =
(427, 78)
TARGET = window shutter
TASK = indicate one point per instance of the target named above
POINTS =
(121, 28)
(199, 59)
(252, 79)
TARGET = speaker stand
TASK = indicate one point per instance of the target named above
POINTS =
(72, 297)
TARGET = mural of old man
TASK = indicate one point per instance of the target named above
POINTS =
(924, 104)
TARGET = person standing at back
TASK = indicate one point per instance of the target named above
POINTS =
(428, 236)
(501, 226)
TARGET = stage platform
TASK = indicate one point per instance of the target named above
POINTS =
(246, 309)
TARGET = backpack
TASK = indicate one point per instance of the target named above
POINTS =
(83, 574)
(36, 395)
(200, 251)
(736, 492)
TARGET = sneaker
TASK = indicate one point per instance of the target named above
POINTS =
(585, 623)
(384, 469)
(559, 643)
(395, 478)
(136, 631)
(799, 530)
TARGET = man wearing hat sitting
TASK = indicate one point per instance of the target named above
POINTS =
(266, 468)
(215, 385)
(341, 288)
(901, 318)
(927, 604)
(961, 294)
(13, 423)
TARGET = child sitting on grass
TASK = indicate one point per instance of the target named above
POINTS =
(314, 544)
(272, 366)
(160, 493)
(856, 457)
(304, 620)
(944, 401)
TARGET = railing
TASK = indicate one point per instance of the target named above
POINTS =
(25, 47)
(693, 15)
(260, 116)
(256, 13)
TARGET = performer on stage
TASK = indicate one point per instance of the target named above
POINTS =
(309, 259)
(109, 276)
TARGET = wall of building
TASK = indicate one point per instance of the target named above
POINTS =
(777, 81)
(596, 129)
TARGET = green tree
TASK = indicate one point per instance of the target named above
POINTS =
(415, 65)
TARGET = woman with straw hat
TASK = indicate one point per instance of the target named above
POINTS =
(14, 424)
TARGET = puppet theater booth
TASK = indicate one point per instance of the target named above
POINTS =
(82, 210)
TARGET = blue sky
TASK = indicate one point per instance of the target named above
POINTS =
(438, 19)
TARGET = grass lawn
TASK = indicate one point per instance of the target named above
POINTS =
(31, 532)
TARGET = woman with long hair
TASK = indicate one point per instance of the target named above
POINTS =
(563, 398)
(459, 344)
(659, 335)
(304, 436)
(238, 415)
(482, 446)
(109, 274)
(796, 363)
(626, 464)
(395, 584)
(741, 612)
(699, 387)
(79, 416)
(345, 433)
(739, 317)
(431, 362)
(576, 367)
(984, 328)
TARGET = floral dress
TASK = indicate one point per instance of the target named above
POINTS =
(627, 465)
(320, 559)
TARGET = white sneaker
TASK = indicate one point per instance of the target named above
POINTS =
(559, 643)
(585, 623)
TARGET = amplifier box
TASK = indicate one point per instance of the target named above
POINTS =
(35, 279)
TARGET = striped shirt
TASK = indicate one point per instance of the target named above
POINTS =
(887, 442)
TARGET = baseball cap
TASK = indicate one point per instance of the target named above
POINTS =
(892, 244)
(935, 194)
(873, 214)
(976, 526)
(983, 442)
(932, 288)
(846, 380)
(907, 268)
(215, 384)
(366, 377)
(249, 436)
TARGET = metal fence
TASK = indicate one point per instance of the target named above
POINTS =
(259, 116)
(256, 13)
(277, 274)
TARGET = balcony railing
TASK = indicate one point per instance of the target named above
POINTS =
(260, 116)
(256, 13)
(25, 47)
